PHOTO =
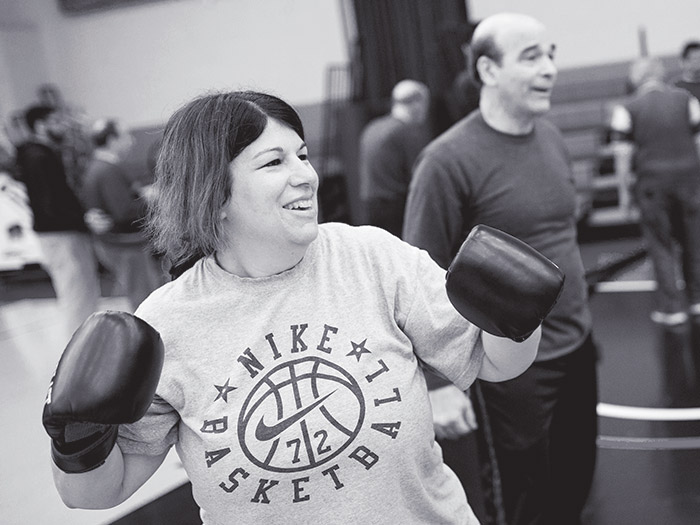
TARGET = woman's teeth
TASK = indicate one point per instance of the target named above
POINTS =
(298, 205)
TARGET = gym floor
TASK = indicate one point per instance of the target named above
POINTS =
(649, 442)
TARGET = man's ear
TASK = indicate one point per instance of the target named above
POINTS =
(487, 70)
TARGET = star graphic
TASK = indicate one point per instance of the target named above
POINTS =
(358, 350)
(224, 390)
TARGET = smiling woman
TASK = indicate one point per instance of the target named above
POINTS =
(272, 207)
(290, 350)
(200, 150)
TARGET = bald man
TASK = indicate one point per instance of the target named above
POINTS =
(505, 166)
(388, 147)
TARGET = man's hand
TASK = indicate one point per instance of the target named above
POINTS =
(98, 221)
(453, 414)
(147, 192)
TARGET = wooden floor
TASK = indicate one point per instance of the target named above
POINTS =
(649, 443)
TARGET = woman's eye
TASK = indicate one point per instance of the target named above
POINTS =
(304, 156)
(275, 162)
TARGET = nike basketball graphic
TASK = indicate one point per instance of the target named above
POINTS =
(300, 415)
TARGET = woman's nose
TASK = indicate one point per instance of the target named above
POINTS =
(304, 173)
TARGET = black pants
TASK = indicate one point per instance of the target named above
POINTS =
(544, 427)
(462, 456)
(670, 217)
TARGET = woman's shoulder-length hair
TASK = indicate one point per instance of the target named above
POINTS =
(192, 171)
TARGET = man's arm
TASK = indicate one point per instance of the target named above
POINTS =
(694, 116)
(621, 139)
(620, 123)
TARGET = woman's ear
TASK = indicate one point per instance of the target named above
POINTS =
(222, 215)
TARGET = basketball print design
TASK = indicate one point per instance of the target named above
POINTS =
(300, 415)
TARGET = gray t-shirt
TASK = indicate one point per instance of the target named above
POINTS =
(299, 398)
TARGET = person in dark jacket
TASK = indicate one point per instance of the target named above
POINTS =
(66, 246)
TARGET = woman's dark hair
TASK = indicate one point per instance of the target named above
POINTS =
(192, 171)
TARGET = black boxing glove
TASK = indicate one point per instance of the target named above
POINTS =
(502, 285)
(107, 375)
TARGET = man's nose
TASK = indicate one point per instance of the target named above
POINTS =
(548, 67)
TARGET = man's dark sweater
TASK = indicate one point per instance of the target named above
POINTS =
(54, 204)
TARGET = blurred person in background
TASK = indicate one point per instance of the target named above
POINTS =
(75, 144)
(388, 147)
(656, 131)
(690, 68)
(67, 250)
(116, 207)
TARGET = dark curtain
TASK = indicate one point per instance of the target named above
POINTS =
(394, 40)
(399, 39)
